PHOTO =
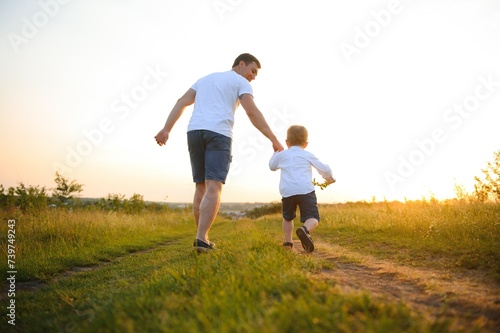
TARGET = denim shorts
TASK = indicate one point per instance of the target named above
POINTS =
(210, 155)
(307, 203)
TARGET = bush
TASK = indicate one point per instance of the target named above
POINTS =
(135, 204)
(488, 188)
(65, 190)
(30, 197)
(7, 199)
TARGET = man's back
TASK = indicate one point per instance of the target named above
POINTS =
(216, 100)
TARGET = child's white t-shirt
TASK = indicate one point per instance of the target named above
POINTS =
(216, 100)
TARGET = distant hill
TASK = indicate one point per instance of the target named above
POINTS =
(224, 206)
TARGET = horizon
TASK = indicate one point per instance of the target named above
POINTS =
(373, 200)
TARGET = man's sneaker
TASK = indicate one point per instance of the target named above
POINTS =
(305, 239)
(201, 246)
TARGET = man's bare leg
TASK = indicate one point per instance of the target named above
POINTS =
(198, 196)
(208, 208)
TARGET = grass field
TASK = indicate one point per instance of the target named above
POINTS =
(111, 272)
(449, 235)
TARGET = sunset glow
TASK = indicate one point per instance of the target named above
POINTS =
(401, 98)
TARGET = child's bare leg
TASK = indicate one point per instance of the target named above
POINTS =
(311, 223)
(288, 230)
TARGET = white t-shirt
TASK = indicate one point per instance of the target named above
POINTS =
(296, 173)
(216, 100)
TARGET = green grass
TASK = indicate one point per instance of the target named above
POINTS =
(450, 235)
(250, 284)
(52, 241)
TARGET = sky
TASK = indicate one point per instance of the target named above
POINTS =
(401, 98)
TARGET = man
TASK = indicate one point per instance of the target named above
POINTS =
(215, 97)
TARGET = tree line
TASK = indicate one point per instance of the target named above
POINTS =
(66, 195)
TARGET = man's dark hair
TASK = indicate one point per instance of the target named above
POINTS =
(247, 58)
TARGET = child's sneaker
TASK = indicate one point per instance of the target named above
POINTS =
(305, 239)
(201, 246)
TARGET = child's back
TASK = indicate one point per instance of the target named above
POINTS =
(296, 185)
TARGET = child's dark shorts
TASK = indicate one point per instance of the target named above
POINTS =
(210, 155)
(307, 203)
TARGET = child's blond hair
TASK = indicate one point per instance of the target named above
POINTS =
(297, 135)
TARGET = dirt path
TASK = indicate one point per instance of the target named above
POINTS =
(468, 298)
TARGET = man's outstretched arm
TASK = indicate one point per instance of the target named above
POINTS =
(179, 107)
(258, 120)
